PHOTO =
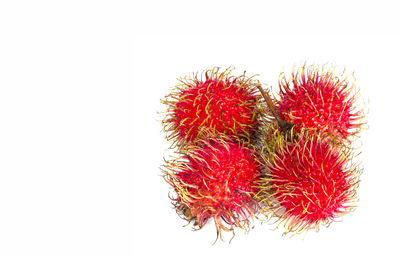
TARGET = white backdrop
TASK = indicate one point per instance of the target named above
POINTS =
(81, 141)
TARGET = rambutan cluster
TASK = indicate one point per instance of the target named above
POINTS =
(210, 121)
(311, 178)
(241, 152)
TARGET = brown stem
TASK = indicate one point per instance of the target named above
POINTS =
(284, 125)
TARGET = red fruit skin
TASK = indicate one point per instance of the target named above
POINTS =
(321, 102)
(217, 103)
(311, 182)
(216, 180)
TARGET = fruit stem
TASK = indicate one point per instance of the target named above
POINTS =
(284, 125)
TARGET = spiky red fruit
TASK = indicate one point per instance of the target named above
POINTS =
(215, 180)
(217, 102)
(309, 182)
(320, 101)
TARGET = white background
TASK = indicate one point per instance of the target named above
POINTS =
(80, 137)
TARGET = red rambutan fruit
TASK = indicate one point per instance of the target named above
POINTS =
(316, 99)
(217, 102)
(308, 182)
(215, 179)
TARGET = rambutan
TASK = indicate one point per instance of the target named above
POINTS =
(317, 99)
(216, 102)
(215, 179)
(308, 182)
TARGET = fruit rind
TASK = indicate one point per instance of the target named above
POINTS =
(214, 101)
(308, 182)
(215, 179)
(324, 102)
